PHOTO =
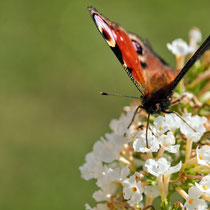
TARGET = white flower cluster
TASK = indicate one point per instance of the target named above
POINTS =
(131, 175)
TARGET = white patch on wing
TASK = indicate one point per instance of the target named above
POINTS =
(105, 29)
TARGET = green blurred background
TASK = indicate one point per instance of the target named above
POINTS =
(53, 63)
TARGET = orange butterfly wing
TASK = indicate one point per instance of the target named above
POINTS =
(148, 71)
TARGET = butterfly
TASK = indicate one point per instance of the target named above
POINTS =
(153, 77)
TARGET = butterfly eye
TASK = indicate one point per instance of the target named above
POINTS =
(138, 47)
(105, 30)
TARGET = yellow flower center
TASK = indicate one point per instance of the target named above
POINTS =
(160, 128)
(200, 157)
(134, 189)
(204, 187)
(191, 200)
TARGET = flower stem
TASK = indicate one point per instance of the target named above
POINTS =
(148, 201)
(206, 197)
(160, 153)
(180, 62)
(166, 182)
(200, 169)
(161, 188)
(188, 149)
(190, 162)
(182, 192)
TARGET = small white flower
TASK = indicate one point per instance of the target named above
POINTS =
(109, 181)
(161, 166)
(204, 184)
(193, 202)
(203, 155)
(112, 175)
(108, 150)
(99, 206)
(102, 195)
(120, 126)
(132, 190)
(160, 125)
(173, 121)
(92, 168)
(195, 36)
(194, 192)
(180, 48)
(167, 142)
(165, 123)
(195, 122)
(157, 168)
(139, 145)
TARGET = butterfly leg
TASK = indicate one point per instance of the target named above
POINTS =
(178, 115)
(134, 115)
(178, 100)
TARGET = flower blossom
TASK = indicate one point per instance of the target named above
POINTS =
(120, 126)
(161, 167)
(109, 150)
(132, 190)
(92, 168)
(195, 36)
(180, 48)
(197, 123)
(203, 155)
(193, 201)
(166, 123)
(139, 145)
(167, 142)
(204, 185)
(109, 181)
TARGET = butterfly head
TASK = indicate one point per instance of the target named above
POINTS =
(156, 105)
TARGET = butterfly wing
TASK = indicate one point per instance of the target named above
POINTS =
(158, 75)
(147, 70)
(118, 40)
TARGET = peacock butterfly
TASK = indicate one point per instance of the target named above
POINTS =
(152, 76)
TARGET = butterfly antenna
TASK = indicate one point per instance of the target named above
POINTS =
(113, 94)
